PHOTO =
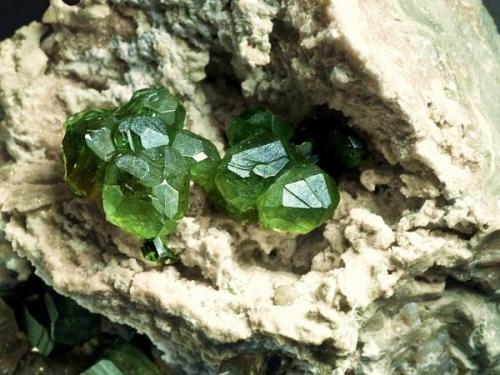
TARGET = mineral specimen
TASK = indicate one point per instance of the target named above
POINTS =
(419, 79)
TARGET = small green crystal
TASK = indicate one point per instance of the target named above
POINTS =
(202, 156)
(155, 102)
(156, 251)
(87, 146)
(248, 169)
(254, 121)
(299, 201)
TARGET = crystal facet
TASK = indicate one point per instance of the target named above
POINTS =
(154, 103)
(300, 200)
(86, 147)
(256, 120)
(248, 169)
(202, 156)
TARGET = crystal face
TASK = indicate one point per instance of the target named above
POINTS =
(254, 121)
(299, 200)
(154, 103)
(86, 147)
(137, 133)
(202, 156)
(248, 169)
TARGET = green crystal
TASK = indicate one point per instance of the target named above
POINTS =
(202, 156)
(156, 102)
(147, 192)
(300, 200)
(256, 120)
(87, 146)
(248, 169)
(155, 250)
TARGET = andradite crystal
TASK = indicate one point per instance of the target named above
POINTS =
(299, 201)
(256, 120)
(248, 169)
(146, 193)
(87, 146)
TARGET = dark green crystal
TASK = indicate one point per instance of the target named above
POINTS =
(299, 201)
(348, 149)
(336, 146)
(70, 324)
(253, 121)
(248, 169)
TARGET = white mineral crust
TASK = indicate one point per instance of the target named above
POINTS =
(375, 290)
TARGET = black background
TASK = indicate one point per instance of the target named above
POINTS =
(16, 13)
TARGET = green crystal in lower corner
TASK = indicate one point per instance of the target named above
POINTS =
(299, 200)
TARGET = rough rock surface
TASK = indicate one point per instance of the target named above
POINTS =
(403, 278)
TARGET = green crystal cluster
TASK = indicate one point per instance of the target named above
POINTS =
(264, 176)
(139, 161)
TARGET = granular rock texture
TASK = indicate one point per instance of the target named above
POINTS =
(404, 278)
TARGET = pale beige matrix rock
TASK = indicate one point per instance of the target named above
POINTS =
(402, 279)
